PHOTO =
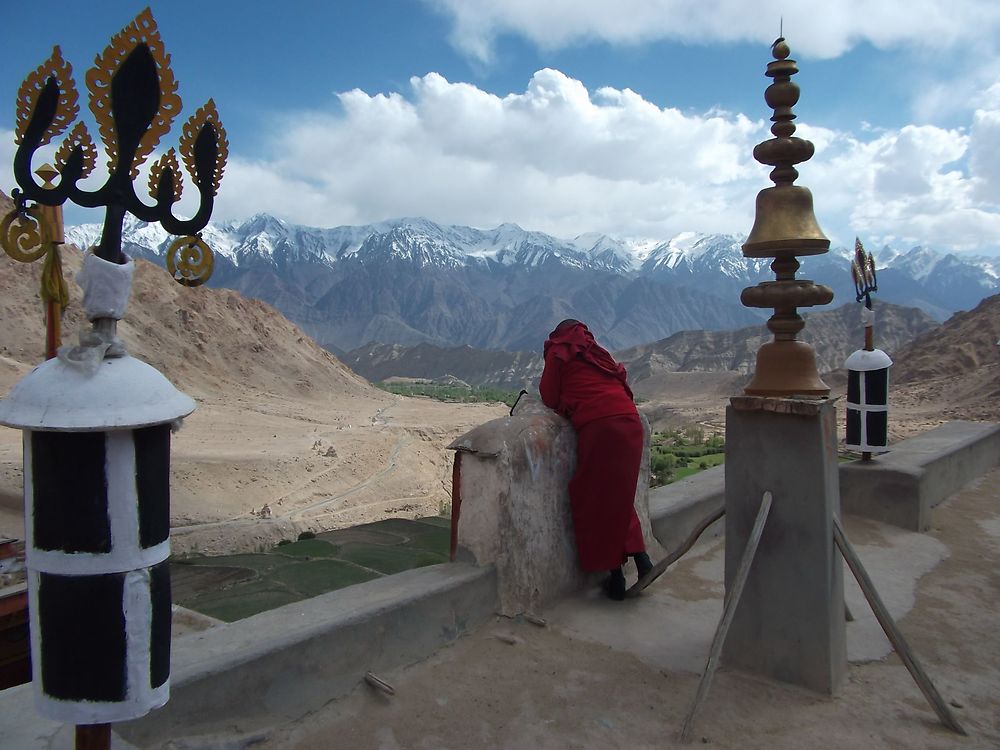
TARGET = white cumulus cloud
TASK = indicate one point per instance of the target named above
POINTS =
(562, 158)
(819, 29)
(555, 157)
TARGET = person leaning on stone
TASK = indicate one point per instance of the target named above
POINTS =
(584, 383)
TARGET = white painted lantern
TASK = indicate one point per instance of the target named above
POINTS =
(868, 401)
(97, 524)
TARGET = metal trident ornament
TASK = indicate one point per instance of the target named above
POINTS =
(863, 273)
(133, 97)
(867, 369)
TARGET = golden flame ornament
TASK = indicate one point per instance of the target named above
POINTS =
(194, 129)
(166, 166)
(50, 93)
(141, 37)
(78, 138)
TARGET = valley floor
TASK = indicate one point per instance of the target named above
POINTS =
(248, 472)
(250, 468)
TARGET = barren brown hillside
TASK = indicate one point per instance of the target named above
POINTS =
(955, 366)
(280, 421)
(951, 371)
(204, 340)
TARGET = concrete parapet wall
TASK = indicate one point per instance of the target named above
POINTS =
(903, 486)
(676, 510)
(900, 487)
(515, 509)
(282, 664)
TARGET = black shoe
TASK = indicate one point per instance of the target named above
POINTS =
(614, 585)
(642, 563)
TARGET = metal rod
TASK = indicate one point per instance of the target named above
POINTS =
(456, 503)
(892, 632)
(729, 610)
(657, 570)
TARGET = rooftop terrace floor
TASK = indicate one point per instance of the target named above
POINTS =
(603, 674)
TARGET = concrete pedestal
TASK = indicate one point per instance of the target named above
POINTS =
(789, 624)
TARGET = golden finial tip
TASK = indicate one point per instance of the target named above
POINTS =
(780, 48)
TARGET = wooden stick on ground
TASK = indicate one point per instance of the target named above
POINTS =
(892, 632)
(660, 567)
(729, 610)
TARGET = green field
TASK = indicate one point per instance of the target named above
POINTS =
(676, 454)
(453, 393)
(231, 587)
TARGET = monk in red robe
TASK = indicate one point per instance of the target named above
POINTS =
(584, 383)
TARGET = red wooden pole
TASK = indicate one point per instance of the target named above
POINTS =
(52, 332)
(93, 737)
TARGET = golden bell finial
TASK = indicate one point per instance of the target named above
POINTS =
(785, 227)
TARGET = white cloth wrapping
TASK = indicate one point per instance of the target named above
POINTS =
(106, 286)
(106, 289)
(867, 317)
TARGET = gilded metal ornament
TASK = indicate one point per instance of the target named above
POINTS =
(863, 274)
(193, 131)
(190, 261)
(165, 166)
(785, 227)
(133, 96)
(135, 60)
(78, 139)
(22, 235)
(46, 101)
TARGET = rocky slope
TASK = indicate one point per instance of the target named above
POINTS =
(834, 334)
(955, 366)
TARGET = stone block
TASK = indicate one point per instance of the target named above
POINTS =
(515, 510)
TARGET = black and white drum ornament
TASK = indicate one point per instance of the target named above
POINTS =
(97, 511)
(868, 401)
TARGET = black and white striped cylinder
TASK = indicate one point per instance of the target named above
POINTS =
(97, 521)
(868, 401)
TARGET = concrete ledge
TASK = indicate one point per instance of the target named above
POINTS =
(903, 486)
(900, 487)
(675, 510)
(280, 665)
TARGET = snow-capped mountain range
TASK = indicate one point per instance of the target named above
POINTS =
(411, 280)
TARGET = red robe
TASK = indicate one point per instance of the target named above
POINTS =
(582, 381)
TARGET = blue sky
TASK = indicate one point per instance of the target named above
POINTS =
(636, 118)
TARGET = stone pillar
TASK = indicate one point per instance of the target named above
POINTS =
(789, 624)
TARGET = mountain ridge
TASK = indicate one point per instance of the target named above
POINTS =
(409, 281)
(833, 333)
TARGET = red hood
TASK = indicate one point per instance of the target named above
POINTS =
(577, 342)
